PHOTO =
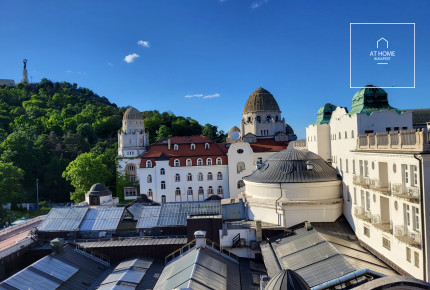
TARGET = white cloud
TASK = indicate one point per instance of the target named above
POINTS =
(110, 64)
(203, 96)
(131, 57)
(258, 4)
(143, 43)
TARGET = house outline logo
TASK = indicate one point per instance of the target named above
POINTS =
(377, 43)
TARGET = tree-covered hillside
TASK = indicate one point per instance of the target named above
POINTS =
(45, 126)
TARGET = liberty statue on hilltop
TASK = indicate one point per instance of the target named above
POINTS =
(24, 73)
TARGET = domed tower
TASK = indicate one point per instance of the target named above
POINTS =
(262, 116)
(132, 138)
(370, 99)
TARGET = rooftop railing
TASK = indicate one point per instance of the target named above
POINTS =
(386, 226)
(361, 181)
(411, 194)
(411, 238)
(406, 140)
(300, 144)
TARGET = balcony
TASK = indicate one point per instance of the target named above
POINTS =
(386, 226)
(300, 144)
(407, 237)
(407, 140)
(411, 194)
(361, 181)
(376, 185)
(362, 214)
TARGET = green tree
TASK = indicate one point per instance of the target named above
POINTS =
(210, 131)
(10, 182)
(83, 172)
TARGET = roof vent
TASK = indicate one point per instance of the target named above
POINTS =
(308, 226)
(200, 239)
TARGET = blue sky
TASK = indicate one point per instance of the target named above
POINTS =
(298, 50)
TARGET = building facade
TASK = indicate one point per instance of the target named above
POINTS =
(385, 167)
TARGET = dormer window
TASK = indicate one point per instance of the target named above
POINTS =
(177, 163)
(149, 164)
(199, 162)
(189, 162)
(219, 161)
(176, 147)
(209, 161)
(258, 119)
(207, 146)
(193, 147)
(268, 119)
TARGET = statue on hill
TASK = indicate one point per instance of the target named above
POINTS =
(24, 73)
(25, 63)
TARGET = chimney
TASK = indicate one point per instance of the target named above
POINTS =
(200, 239)
(308, 226)
(57, 245)
(258, 231)
(168, 144)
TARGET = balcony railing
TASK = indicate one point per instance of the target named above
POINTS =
(411, 194)
(300, 144)
(407, 140)
(386, 226)
(383, 188)
(407, 237)
(361, 181)
(362, 214)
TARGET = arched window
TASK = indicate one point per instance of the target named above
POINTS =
(149, 193)
(201, 191)
(240, 167)
(219, 176)
(177, 177)
(210, 190)
(268, 119)
(200, 176)
(178, 191)
(209, 161)
(353, 165)
(210, 176)
(258, 119)
(193, 146)
(249, 119)
(163, 185)
(220, 191)
(163, 198)
(199, 162)
(276, 118)
(177, 163)
(130, 169)
(207, 146)
(149, 178)
(219, 161)
(190, 191)
(189, 177)
(162, 171)
(176, 147)
(149, 164)
(189, 162)
(352, 134)
(346, 135)
(240, 184)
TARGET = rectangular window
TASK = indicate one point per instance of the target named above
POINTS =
(361, 168)
(367, 201)
(408, 255)
(366, 168)
(417, 259)
(386, 243)
(388, 129)
(404, 128)
(346, 165)
(414, 175)
(348, 197)
(405, 174)
(366, 231)
(355, 195)
(363, 199)
(396, 128)
(407, 212)
(416, 213)
(353, 166)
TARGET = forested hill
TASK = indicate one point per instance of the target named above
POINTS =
(45, 126)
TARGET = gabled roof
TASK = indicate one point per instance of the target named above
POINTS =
(63, 219)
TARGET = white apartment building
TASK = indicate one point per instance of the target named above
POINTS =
(385, 167)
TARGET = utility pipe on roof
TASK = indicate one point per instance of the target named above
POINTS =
(347, 277)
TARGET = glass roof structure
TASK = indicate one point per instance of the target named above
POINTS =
(102, 219)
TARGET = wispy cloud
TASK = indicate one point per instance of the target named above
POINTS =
(131, 57)
(203, 96)
(144, 43)
(258, 4)
(110, 64)
(69, 71)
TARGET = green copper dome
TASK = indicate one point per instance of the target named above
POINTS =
(370, 99)
(261, 100)
(324, 114)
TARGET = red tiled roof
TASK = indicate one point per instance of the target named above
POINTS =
(269, 145)
(184, 151)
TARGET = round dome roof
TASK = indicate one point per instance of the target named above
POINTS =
(132, 114)
(99, 189)
(233, 129)
(324, 114)
(291, 166)
(288, 129)
(261, 100)
(287, 280)
(370, 99)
